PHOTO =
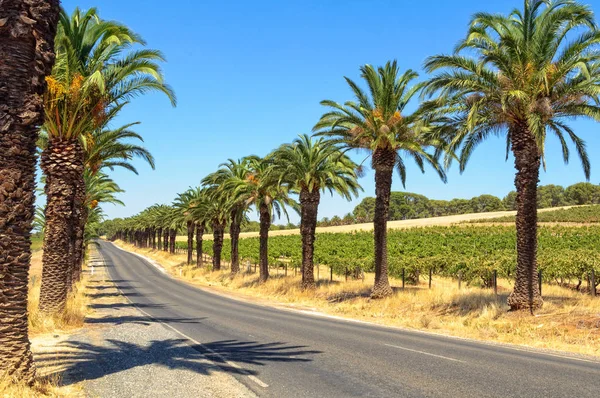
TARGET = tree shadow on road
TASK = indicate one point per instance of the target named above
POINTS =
(79, 361)
(139, 320)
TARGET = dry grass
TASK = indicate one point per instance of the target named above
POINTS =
(43, 387)
(45, 332)
(398, 224)
(72, 318)
(569, 321)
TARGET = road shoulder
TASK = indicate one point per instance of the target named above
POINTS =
(121, 352)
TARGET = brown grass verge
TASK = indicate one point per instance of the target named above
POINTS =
(43, 387)
(45, 333)
(568, 321)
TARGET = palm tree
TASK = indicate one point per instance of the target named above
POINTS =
(376, 123)
(183, 203)
(215, 212)
(99, 189)
(518, 75)
(94, 77)
(260, 187)
(197, 209)
(26, 51)
(104, 148)
(219, 183)
(311, 167)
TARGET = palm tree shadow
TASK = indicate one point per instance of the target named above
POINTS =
(77, 361)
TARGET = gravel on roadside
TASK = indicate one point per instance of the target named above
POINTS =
(122, 353)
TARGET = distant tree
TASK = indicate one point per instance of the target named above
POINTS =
(486, 203)
(550, 196)
(335, 221)
(348, 219)
(583, 193)
(509, 201)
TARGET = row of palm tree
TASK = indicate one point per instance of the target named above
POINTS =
(305, 168)
(78, 90)
(524, 75)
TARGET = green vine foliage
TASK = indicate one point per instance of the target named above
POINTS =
(565, 254)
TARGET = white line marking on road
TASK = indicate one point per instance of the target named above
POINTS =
(424, 353)
(258, 381)
(230, 363)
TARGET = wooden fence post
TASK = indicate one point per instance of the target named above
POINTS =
(330, 274)
(495, 283)
(540, 281)
(403, 279)
(593, 283)
(430, 276)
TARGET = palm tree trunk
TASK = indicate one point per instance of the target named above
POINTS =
(309, 202)
(383, 163)
(218, 232)
(526, 293)
(199, 236)
(190, 242)
(172, 238)
(153, 232)
(265, 224)
(80, 243)
(166, 240)
(62, 163)
(234, 234)
(26, 51)
(160, 238)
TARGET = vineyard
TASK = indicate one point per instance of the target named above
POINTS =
(566, 255)
(583, 215)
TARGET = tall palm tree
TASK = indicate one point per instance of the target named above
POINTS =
(520, 75)
(260, 187)
(219, 183)
(311, 167)
(95, 75)
(216, 213)
(378, 122)
(200, 217)
(183, 203)
(26, 51)
(99, 189)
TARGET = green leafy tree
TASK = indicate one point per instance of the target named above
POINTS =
(583, 193)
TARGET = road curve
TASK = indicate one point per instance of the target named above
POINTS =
(279, 353)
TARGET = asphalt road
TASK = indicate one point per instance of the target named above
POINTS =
(279, 353)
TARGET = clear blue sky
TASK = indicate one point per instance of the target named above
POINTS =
(249, 76)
